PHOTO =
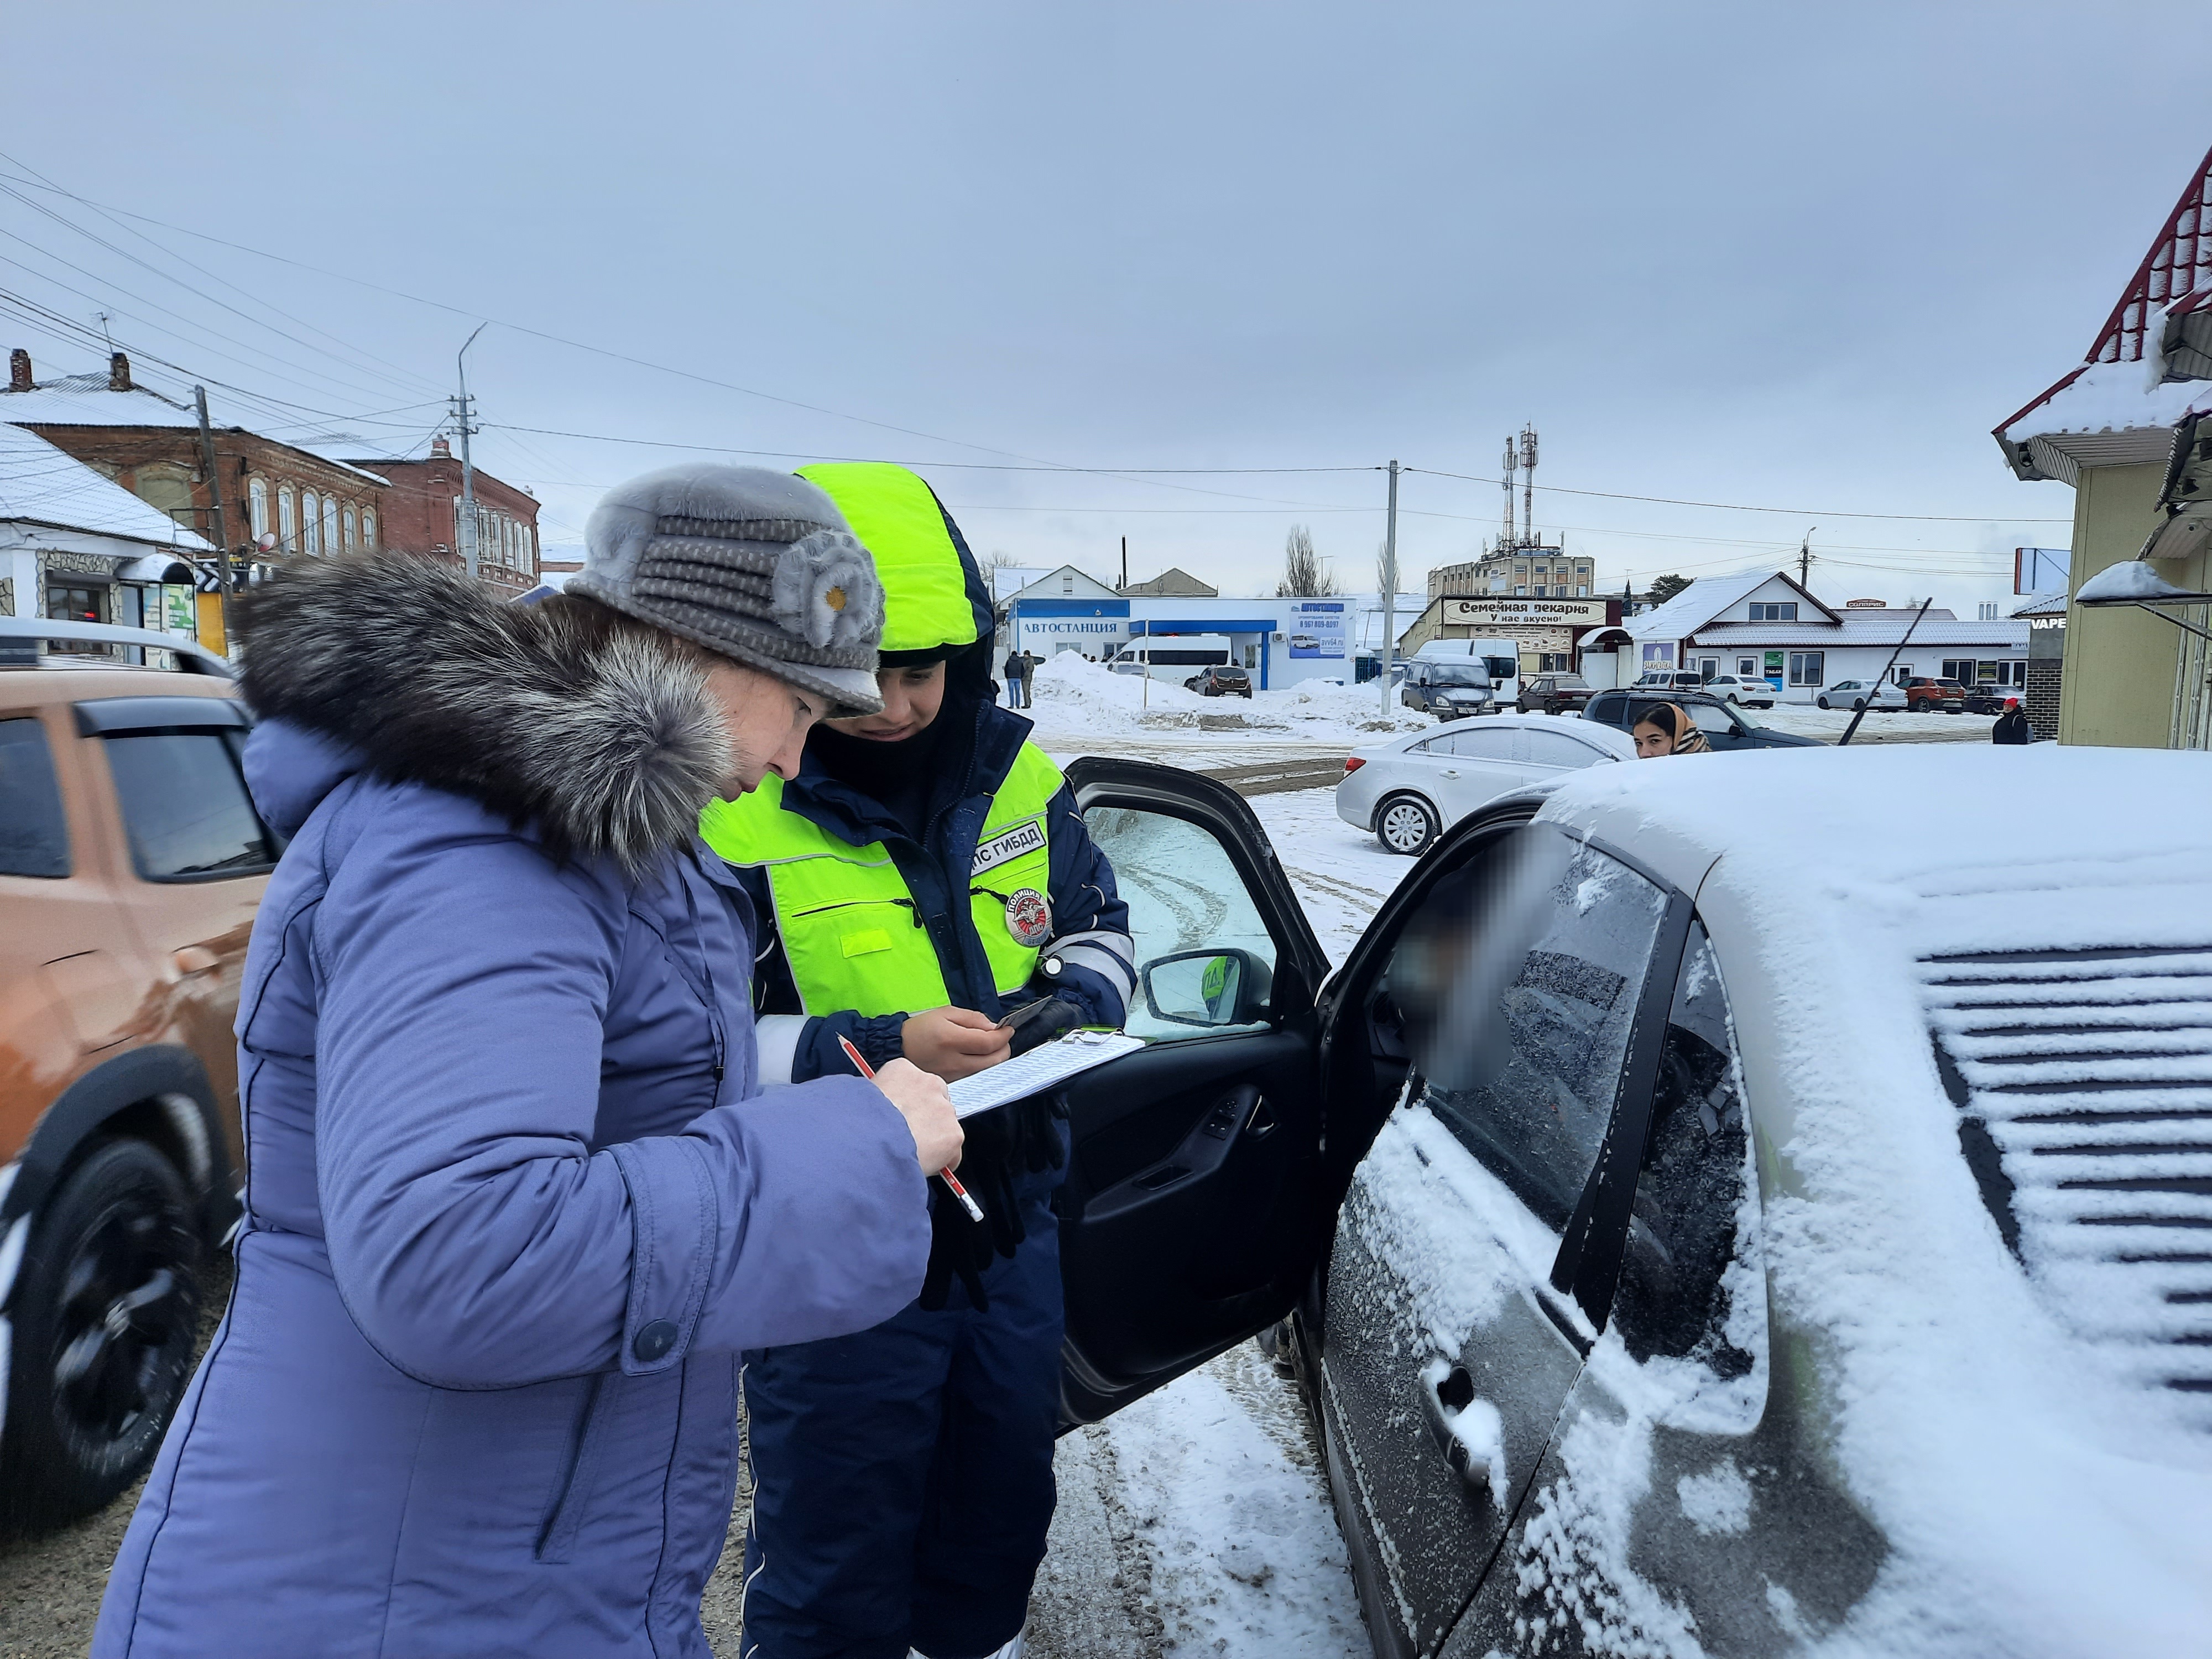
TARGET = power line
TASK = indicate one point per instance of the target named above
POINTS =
(1738, 507)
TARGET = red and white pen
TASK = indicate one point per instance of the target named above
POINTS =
(951, 1181)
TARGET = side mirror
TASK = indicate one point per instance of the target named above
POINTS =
(1222, 987)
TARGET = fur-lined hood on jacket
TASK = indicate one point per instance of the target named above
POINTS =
(601, 735)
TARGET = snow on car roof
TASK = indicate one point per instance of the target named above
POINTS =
(2006, 1421)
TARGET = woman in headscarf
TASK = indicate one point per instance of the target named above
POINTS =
(1666, 728)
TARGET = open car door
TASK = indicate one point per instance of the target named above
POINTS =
(1190, 1217)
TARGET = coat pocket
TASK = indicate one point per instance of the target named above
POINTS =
(556, 1540)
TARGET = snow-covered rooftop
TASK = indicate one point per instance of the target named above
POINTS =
(1694, 606)
(1872, 630)
(40, 484)
(2051, 603)
(88, 400)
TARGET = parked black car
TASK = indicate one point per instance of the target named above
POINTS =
(1726, 727)
(1989, 699)
(1220, 680)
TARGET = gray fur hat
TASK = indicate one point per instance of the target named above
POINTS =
(756, 565)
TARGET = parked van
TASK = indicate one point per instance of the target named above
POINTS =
(1500, 660)
(1174, 657)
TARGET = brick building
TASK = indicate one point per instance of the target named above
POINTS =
(423, 509)
(149, 443)
(1526, 570)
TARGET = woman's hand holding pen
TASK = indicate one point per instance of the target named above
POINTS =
(923, 1100)
(954, 1042)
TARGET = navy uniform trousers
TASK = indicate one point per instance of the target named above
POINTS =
(902, 1477)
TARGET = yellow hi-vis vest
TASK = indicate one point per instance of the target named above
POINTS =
(852, 933)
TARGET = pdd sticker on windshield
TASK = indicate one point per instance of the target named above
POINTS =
(1022, 838)
(1029, 917)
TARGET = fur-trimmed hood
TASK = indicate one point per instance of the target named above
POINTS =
(607, 742)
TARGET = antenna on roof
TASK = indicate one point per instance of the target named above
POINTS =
(102, 318)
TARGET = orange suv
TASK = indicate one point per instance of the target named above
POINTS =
(131, 860)
(1924, 694)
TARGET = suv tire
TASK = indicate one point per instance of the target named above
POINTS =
(1407, 824)
(107, 1313)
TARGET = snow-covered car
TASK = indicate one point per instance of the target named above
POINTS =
(1740, 691)
(1655, 1297)
(1409, 791)
(1857, 693)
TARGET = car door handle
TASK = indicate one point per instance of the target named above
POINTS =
(1449, 772)
(196, 959)
(1468, 1431)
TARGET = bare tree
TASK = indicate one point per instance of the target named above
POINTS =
(1304, 576)
(1409, 581)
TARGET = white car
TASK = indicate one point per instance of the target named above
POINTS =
(1743, 692)
(1411, 790)
(1854, 694)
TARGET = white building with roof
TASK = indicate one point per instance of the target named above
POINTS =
(1761, 624)
(74, 544)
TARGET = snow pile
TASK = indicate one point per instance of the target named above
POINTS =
(1079, 700)
(2038, 1493)
(2129, 579)
(1356, 707)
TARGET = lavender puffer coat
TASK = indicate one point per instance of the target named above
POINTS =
(513, 1205)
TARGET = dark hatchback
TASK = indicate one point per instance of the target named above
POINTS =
(1726, 727)
(1220, 680)
(1554, 694)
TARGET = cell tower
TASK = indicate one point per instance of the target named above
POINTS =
(1529, 486)
(1506, 542)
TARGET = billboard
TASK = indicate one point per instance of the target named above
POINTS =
(2040, 569)
(1316, 627)
(1483, 612)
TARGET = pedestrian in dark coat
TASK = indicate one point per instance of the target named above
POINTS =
(1017, 680)
(2012, 726)
(515, 1201)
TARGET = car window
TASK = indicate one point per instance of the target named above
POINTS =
(1555, 749)
(1490, 746)
(1692, 1193)
(186, 807)
(1194, 926)
(1711, 718)
(1517, 982)
(34, 831)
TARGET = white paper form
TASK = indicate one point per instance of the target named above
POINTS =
(1039, 1069)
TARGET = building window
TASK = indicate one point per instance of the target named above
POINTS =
(169, 488)
(288, 527)
(1961, 669)
(350, 529)
(368, 529)
(1902, 673)
(1537, 591)
(1522, 589)
(1581, 590)
(67, 603)
(330, 523)
(1784, 612)
(457, 548)
(1807, 667)
(1746, 668)
(311, 522)
(257, 506)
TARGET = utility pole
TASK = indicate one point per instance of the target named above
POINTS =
(228, 582)
(1805, 561)
(1125, 564)
(1390, 589)
(1507, 542)
(462, 416)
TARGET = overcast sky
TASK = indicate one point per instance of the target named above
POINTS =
(1790, 256)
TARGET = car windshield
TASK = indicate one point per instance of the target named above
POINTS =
(1453, 674)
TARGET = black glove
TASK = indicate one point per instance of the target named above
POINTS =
(1041, 1021)
(1002, 1144)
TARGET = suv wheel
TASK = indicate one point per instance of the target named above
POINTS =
(107, 1310)
(1405, 823)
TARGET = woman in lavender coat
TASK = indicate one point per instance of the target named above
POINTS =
(514, 1200)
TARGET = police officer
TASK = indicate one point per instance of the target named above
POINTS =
(925, 875)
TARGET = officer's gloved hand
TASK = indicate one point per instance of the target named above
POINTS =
(958, 1248)
(1042, 1021)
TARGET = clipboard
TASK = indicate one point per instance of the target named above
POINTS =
(1044, 1066)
